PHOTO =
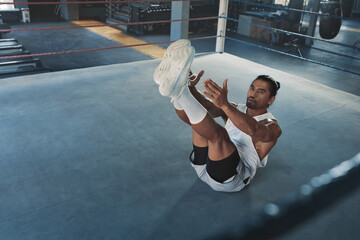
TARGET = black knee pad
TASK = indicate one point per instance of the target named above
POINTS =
(224, 169)
(199, 155)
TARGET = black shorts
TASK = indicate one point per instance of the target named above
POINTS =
(221, 170)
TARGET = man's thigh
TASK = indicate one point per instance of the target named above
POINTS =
(221, 147)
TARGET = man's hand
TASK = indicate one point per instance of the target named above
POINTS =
(216, 94)
(195, 79)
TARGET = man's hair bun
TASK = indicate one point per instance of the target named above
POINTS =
(278, 85)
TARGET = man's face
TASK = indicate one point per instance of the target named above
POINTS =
(258, 95)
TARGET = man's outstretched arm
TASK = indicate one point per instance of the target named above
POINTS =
(264, 131)
(207, 104)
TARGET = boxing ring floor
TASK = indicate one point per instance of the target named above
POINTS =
(98, 153)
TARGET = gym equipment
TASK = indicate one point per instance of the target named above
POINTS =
(8, 42)
(330, 25)
(20, 66)
(11, 50)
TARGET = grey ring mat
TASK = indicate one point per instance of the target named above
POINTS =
(98, 153)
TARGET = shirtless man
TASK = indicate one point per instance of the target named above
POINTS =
(226, 158)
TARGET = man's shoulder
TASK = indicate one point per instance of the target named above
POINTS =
(264, 116)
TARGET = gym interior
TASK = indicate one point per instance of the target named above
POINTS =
(91, 150)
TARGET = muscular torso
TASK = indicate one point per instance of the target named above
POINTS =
(262, 148)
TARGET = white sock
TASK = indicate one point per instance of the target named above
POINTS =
(177, 105)
(193, 109)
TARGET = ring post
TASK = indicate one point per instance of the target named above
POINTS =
(179, 10)
(221, 29)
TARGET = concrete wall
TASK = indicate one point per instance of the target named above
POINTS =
(357, 5)
(69, 12)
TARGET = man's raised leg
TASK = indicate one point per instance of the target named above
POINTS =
(218, 154)
(172, 77)
(220, 145)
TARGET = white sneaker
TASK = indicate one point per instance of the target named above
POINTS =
(172, 74)
(164, 66)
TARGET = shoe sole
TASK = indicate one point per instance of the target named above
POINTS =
(165, 64)
(180, 81)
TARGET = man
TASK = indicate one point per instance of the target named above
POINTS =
(226, 158)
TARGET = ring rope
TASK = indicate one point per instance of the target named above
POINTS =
(291, 9)
(176, 20)
(164, 42)
(108, 25)
(336, 53)
(96, 49)
(148, 1)
(95, 2)
(293, 33)
(291, 55)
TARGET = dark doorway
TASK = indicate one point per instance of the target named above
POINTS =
(43, 12)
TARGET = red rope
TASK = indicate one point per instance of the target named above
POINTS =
(95, 49)
(109, 25)
(95, 2)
